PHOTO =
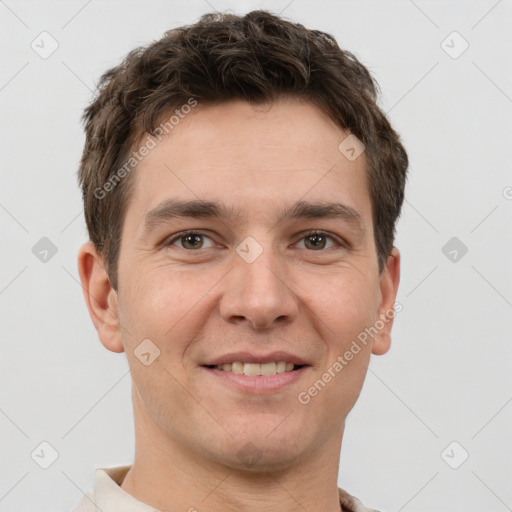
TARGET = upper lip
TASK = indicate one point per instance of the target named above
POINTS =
(251, 357)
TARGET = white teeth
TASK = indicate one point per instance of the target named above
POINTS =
(268, 369)
(255, 369)
(237, 368)
(252, 369)
(281, 367)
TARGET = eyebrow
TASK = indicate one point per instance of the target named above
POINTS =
(170, 209)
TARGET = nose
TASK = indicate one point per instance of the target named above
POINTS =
(259, 293)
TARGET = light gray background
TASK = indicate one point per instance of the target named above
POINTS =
(447, 377)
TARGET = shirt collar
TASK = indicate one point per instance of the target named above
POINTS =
(111, 497)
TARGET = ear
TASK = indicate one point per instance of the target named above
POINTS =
(100, 297)
(389, 280)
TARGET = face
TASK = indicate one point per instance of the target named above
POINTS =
(260, 276)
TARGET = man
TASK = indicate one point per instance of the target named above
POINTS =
(241, 190)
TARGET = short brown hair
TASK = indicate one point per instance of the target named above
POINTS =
(257, 57)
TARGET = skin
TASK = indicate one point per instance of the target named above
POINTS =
(199, 303)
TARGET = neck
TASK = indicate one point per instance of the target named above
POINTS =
(170, 476)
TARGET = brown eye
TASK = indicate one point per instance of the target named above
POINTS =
(317, 240)
(190, 240)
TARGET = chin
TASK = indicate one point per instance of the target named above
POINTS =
(270, 451)
(252, 459)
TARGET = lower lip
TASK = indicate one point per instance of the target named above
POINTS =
(260, 383)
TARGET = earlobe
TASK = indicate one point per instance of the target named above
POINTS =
(381, 344)
(100, 297)
(389, 281)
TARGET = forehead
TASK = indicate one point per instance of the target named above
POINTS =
(256, 160)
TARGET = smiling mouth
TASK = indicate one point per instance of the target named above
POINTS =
(255, 369)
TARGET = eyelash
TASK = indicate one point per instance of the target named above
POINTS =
(183, 234)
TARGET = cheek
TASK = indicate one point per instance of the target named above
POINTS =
(159, 306)
(346, 306)
(346, 311)
(165, 306)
